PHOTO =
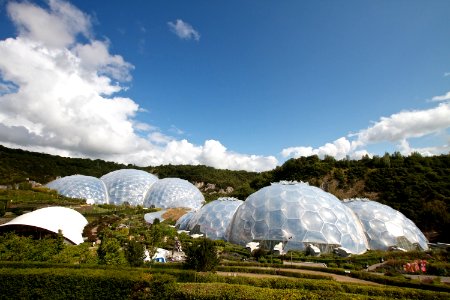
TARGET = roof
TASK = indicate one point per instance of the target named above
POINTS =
(53, 219)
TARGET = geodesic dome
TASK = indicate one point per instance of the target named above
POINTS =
(386, 227)
(174, 192)
(296, 214)
(128, 185)
(183, 221)
(83, 187)
(213, 219)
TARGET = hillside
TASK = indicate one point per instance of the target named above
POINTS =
(417, 186)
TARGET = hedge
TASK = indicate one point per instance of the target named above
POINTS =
(207, 291)
(75, 284)
(276, 271)
(84, 283)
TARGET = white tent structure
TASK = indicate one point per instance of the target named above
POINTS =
(50, 220)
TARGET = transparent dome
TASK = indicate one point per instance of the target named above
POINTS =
(174, 192)
(128, 185)
(296, 214)
(183, 221)
(83, 187)
(386, 227)
(213, 219)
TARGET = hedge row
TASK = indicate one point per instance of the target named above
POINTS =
(207, 291)
(81, 284)
(400, 282)
(272, 272)
(59, 283)
(317, 286)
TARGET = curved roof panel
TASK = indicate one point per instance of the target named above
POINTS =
(183, 221)
(53, 219)
(296, 214)
(174, 192)
(83, 187)
(128, 185)
(386, 227)
(214, 218)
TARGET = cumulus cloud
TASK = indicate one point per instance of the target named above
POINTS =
(184, 30)
(396, 129)
(58, 95)
(57, 27)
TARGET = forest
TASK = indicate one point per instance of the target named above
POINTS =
(417, 186)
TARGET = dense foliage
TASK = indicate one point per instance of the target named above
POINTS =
(202, 255)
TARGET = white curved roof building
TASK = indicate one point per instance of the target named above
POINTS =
(297, 215)
(51, 219)
(174, 192)
(128, 185)
(83, 187)
(214, 218)
(386, 227)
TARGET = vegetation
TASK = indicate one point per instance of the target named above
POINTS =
(202, 255)
(31, 281)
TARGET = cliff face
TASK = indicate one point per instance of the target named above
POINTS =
(211, 188)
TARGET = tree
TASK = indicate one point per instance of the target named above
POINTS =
(60, 241)
(110, 252)
(202, 256)
(135, 253)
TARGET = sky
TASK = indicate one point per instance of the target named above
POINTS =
(240, 85)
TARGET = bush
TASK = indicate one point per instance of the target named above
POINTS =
(439, 269)
(202, 255)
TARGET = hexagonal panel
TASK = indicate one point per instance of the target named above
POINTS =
(385, 226)
(174, 192)
(295, 214)
(128, 185)
(214, 218)
(82, 187)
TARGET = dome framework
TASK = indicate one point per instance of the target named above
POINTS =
(82, 187)
(296, 215)
(386, 227)
(174, 192)
(214, 218)
(128, 186)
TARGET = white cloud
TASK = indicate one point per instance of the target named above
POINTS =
(57, 95)
(407, 124)
(57, 27)
(440, 98)
(184, 30)
(396, 129)
(338, 149)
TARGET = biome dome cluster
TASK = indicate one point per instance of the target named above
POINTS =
(294, 214)
(131, 186)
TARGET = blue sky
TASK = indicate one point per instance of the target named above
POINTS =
(231, 84)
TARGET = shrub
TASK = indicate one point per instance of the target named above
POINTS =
(202, 255)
